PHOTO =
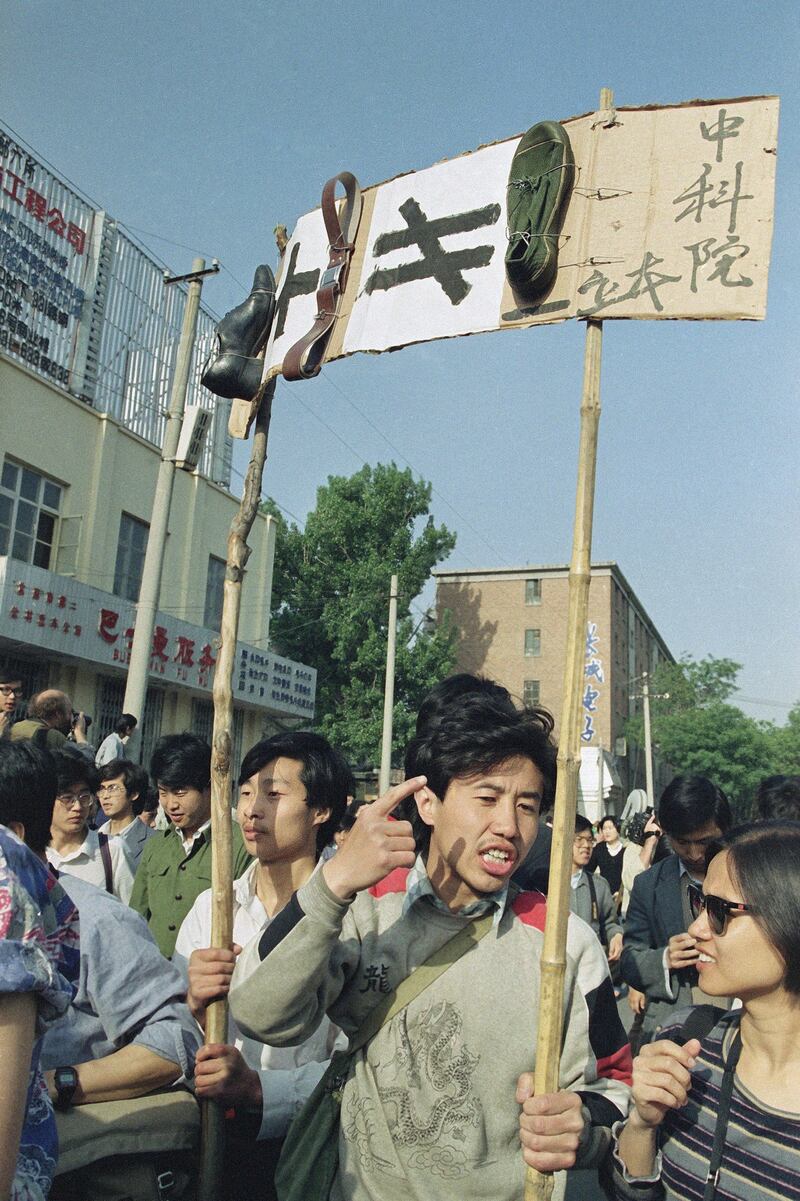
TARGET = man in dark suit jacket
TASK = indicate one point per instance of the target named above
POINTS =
(659, 954)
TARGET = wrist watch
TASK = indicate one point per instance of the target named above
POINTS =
(66, 1082)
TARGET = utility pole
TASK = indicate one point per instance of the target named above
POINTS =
(648, 744)
(139, 666)
(388, 692)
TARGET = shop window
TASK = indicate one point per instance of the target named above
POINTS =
(131, 548)
(29, 508)
(215, 580)
(533, 643)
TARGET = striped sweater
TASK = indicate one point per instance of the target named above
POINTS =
(428, 1110)
(761, 1156)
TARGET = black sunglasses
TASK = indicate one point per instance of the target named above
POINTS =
(717, 908)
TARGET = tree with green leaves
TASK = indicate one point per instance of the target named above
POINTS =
(331, 602)
(698, 731)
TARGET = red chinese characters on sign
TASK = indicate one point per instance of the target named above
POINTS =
(206, 659)
(41, 210)
(107, 623)
(160, 643)
(185, 652)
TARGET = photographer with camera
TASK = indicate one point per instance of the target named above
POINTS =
(52, 722)
(659, 955)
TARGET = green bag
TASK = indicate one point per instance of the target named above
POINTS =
(310, 1157)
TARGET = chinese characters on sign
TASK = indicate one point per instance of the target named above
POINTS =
(67, 616)
(671, 218)
(594, 676)
(43, 244)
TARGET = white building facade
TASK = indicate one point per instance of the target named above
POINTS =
(88, 341)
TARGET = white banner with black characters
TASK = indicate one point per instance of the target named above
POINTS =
(670, 217)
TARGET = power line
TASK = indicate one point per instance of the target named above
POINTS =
(397, 451)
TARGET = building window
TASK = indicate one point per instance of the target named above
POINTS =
(29, 508)
(533, 643)
(530, 693)
(533, 592)
(131, 549)
(214, 590)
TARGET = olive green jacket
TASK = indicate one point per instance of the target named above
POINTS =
(168, 881)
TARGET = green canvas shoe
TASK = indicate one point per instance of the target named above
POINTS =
(539, 187)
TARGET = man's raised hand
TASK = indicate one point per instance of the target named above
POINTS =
(375, 846)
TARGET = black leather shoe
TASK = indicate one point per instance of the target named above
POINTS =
(235, 370)
(539, 187)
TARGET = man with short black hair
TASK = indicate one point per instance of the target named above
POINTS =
(175, 866)
(128, 1030)
(659, 954)
(590, 895)
(10, 697)
(122, 792)
(293, 790)
(778, 799)
(429, 1107)
(74, 848)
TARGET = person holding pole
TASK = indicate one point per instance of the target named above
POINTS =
(293, 791)
(431, 1104)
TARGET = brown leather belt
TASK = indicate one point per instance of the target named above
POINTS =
(304, 359)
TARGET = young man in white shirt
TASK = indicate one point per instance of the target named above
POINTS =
(122, 792)
(74, 848)
(293, 791)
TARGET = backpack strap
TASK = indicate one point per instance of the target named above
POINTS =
(105, 855)
(420, 979)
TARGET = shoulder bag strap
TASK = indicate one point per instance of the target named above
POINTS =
(105, 855)
(596, 914)
(421, 977)
(721, 1127)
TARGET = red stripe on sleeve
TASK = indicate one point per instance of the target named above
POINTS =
(618, 1066)
(531, 908)
(394, 882)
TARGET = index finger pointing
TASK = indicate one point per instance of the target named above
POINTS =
(385, 804)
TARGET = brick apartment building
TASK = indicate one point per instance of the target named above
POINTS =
(512, 626)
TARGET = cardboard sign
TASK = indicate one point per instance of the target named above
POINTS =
(670, 218)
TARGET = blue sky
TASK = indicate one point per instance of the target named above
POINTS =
(207, 123)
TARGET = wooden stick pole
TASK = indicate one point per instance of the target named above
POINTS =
(212, 1143)
(538, 1185)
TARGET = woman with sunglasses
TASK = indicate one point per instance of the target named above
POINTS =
(720, 1118)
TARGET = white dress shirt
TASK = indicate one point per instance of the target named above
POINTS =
(87, 864)
(288, 1074)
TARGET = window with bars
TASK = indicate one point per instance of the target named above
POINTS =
(215, 580)
(530, 693)
(533, 643)
(203, 726)
(29, 508)
(131, 548)
(533, 592)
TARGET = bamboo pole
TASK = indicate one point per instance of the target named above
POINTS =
(539, 1185)
(212, 1143)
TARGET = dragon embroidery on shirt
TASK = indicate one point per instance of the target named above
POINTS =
(426, 1095)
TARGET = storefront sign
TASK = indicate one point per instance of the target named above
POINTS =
(55, 613)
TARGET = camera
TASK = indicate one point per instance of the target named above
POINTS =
(634, 827)
(76, 716)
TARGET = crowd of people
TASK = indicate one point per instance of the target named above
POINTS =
(386, 957)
